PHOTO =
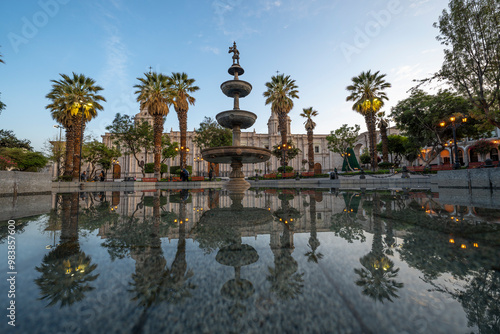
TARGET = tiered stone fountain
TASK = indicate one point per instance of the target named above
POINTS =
(236, 119)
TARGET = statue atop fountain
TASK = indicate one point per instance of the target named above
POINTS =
(236, 119)
(236, 55)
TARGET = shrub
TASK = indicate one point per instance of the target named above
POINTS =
(385, 165)
(177, 170)
(150, 168)
(288, 169)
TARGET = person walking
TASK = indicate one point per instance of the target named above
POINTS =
(101, 176)
(83, 178)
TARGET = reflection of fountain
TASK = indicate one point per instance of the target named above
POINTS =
(222, 228)
(236, 120)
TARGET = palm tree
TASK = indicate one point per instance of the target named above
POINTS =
(280, 92)
(155, 94)
(181, 87)
(368, 97)
(78, 98)
(383, 123)
(308, 113)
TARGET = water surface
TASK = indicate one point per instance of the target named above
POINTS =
(275, 260)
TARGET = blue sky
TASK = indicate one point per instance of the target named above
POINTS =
(321, 44)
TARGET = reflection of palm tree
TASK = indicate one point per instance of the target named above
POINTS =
(66, 270)
(286, 283)
(153, 282)
(313, 239)
(378, 275)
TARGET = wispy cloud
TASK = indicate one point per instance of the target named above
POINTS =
(211, 49)
(406, 72)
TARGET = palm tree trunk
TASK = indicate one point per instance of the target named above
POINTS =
(182, 117)
(310, 150)
(370, 124)
(385, 141)
(77, 121)
(68, 160)
(283, 132)
(158, 132)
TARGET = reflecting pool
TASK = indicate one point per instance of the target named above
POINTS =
(271, 261)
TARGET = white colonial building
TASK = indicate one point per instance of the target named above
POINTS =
(324, 159)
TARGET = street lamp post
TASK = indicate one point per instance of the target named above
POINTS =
(57, 126)
(198, 159)
(183, 151)
(454, 126)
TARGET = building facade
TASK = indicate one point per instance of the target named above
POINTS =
(324, 159)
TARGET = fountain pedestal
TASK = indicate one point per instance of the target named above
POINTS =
(236, 119)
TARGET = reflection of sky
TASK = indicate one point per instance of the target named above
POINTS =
(329, 299)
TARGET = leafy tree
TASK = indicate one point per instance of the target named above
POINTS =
(25, 160)
(170, 150)
(132, 138)
(155, 94)
(74, 100)
(280, 92)
(365, 157)
(342, 139)
(419, 117)
(55, 151)
(367, 94)
(308, 113)
(397, 145)
(289, 153)
(383, 123)
(181, 87)
(9, 139)
(469, 30)
(211, 134)
(96, 153)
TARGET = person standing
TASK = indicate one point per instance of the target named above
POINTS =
(185, 174)
(210, 173)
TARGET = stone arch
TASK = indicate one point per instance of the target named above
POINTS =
(117, 171)
(317, 168)
(445, 157)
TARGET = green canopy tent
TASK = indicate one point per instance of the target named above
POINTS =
(353, 162)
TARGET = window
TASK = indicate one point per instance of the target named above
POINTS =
(318, 215)
(316, 149)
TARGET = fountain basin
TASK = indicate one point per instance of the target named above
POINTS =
(228, 154)
(242, 118)
(239, 217)
(231, 87)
